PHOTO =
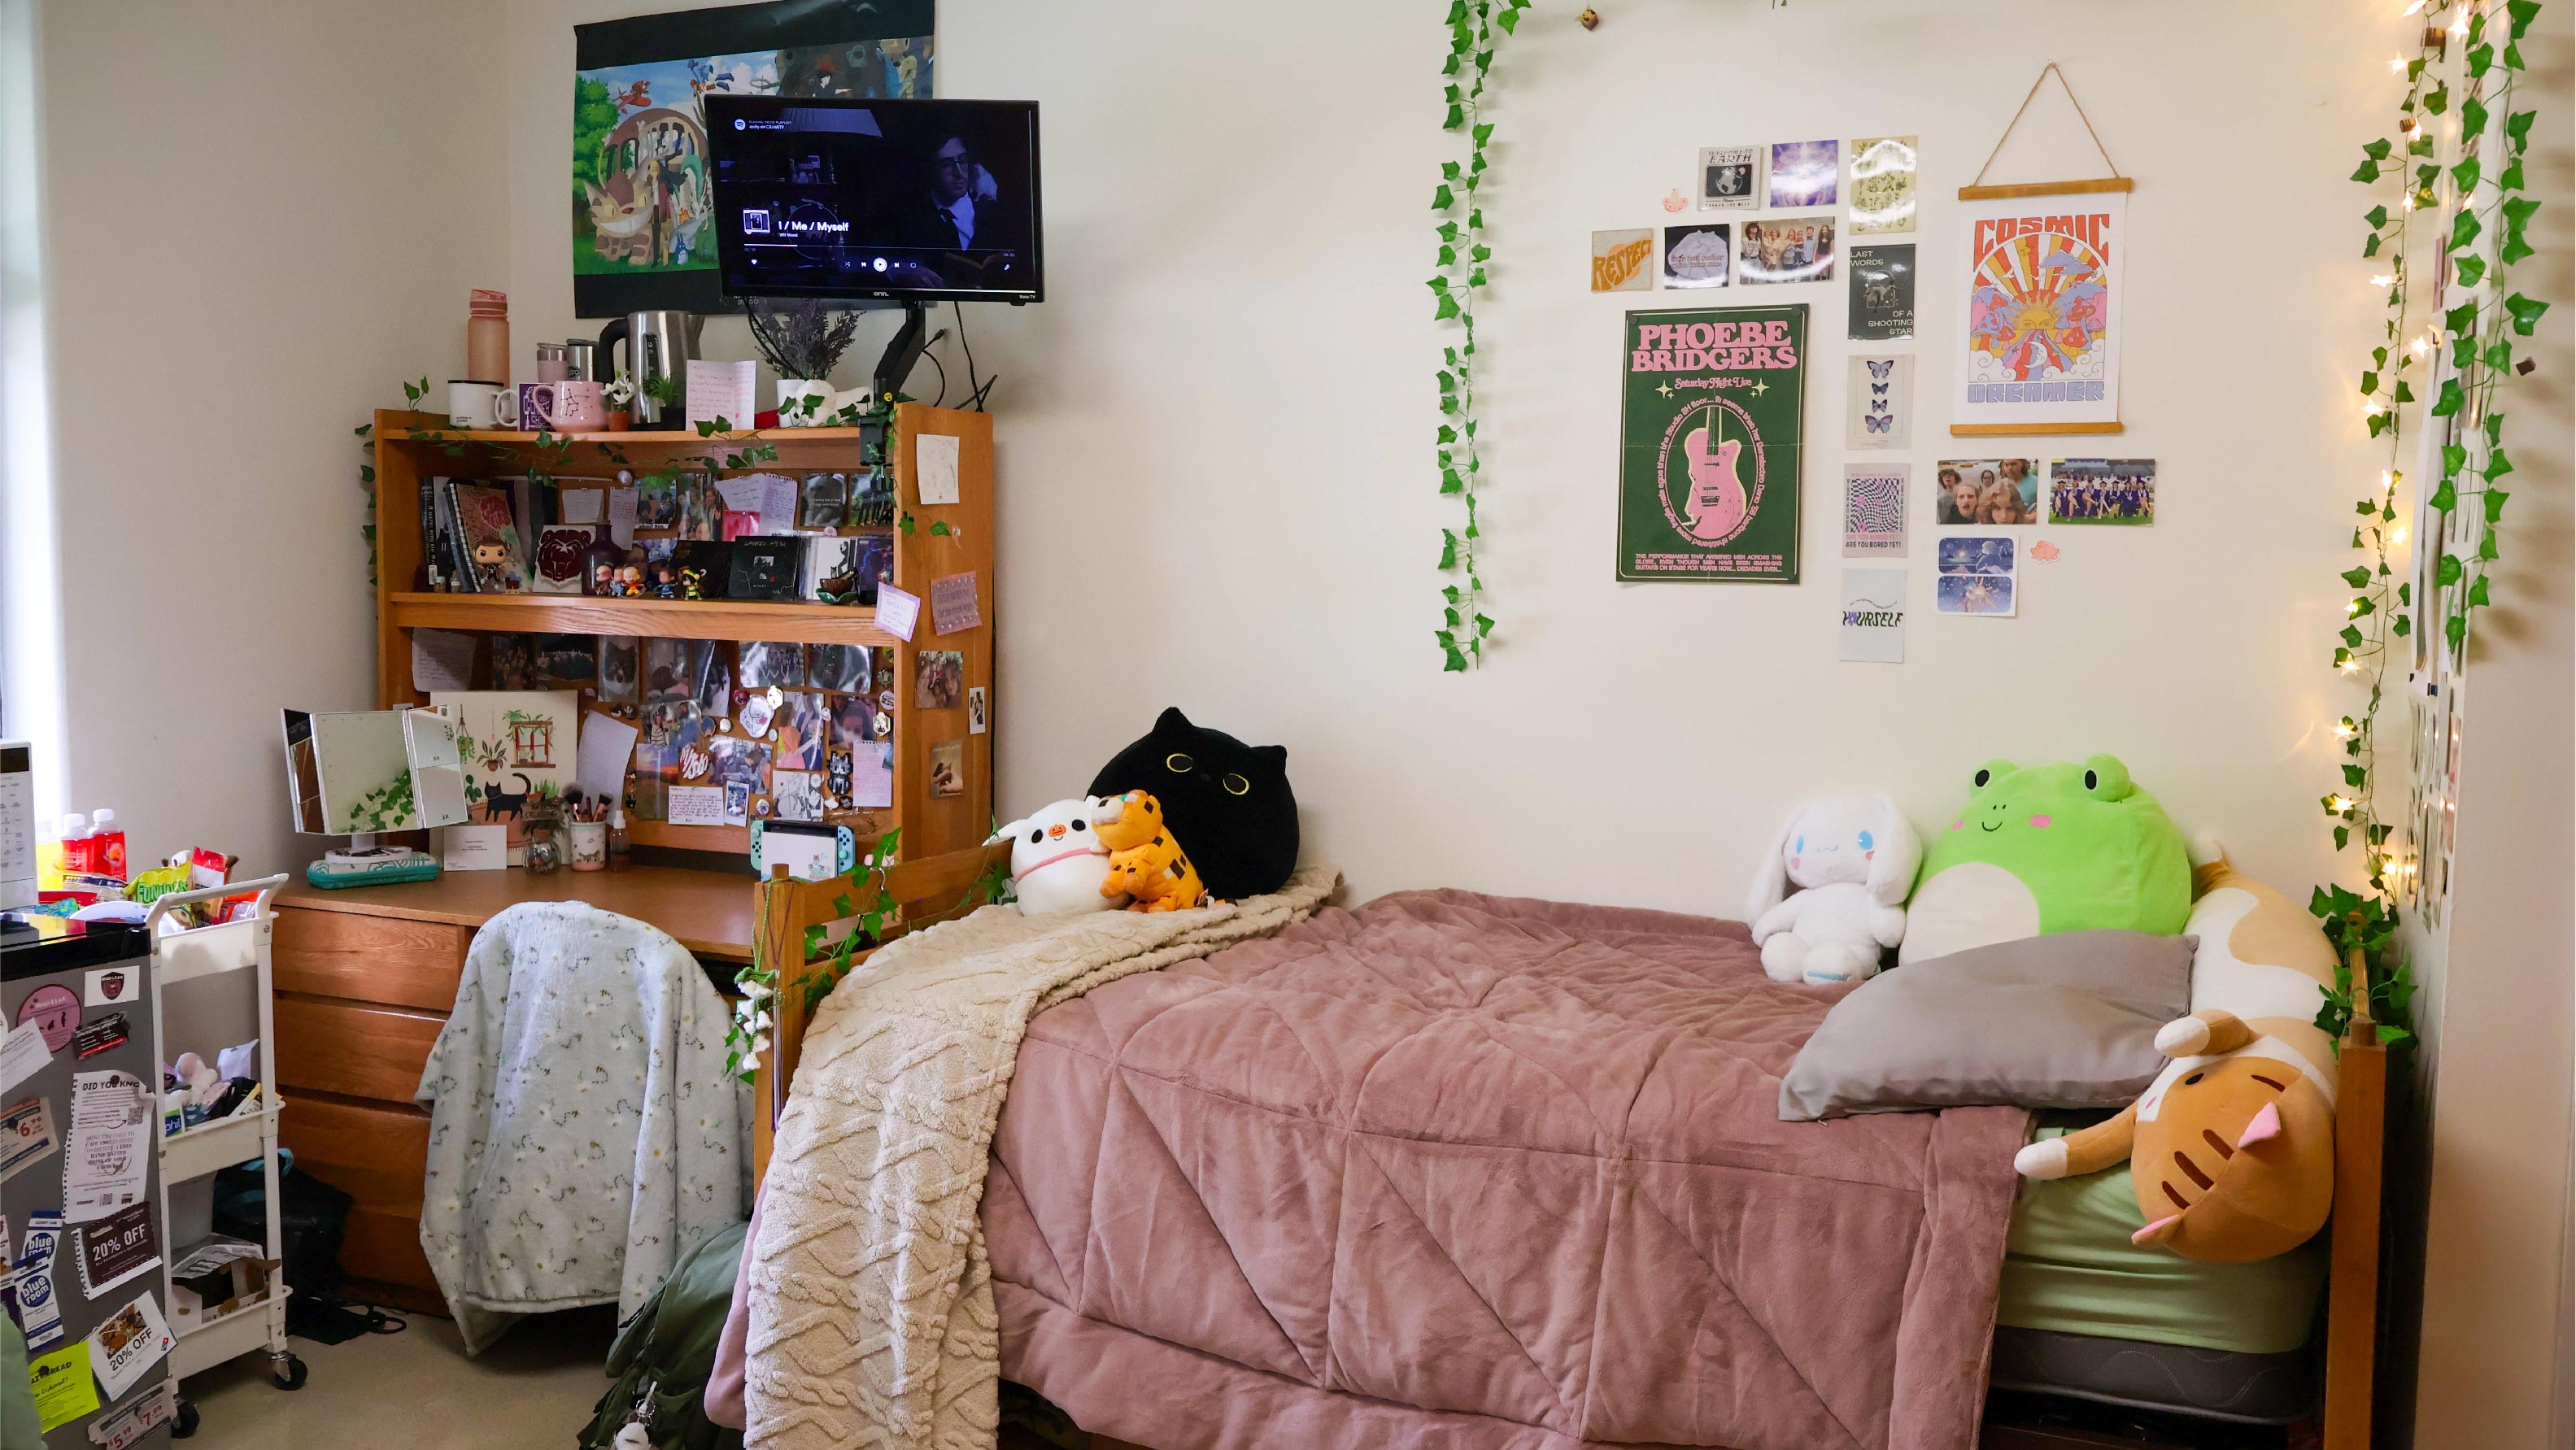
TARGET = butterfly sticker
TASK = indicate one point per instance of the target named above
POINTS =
(1879, 423)
(1881, 367)
(1878, 390)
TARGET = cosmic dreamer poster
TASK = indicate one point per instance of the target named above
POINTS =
(1711, 436)
(2041, 328)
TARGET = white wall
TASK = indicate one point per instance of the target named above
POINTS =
(262, 217)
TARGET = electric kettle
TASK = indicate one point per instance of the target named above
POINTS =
(659, 345)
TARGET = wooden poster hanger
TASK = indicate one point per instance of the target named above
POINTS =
(1978, 191)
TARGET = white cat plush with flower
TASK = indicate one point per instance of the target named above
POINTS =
(1852, 859)
(1057, 861)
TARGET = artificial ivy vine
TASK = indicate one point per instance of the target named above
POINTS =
(2488, 217)
(1458, 275)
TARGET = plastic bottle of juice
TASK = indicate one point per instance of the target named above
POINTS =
(108, 850)
(77, 850)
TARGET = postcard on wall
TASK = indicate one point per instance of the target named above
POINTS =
(1874, 510)
(1977, 576)
(1882, 293)
(1786, 249)
(1711, 438)
(1882, 184)
(953, 604)
(1880, 413)
(1987, 492)
(2039, 323)
(948, 768)
(1697, 256)
(1730, 177)
(2102, 491)
(1873, 629)
(1619, 260)
(1803, 173)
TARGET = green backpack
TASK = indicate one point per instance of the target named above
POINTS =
(664, 1354)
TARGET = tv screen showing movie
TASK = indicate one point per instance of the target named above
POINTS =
(904, 200)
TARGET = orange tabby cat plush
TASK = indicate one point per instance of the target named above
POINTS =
(1145, 862)
(2232, 1146)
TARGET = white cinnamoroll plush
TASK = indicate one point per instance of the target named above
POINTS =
(1057, 862)
(1852, 859)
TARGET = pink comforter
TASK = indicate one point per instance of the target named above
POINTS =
(1462, 1171)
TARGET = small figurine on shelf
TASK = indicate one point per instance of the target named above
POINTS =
(666, 579)
(691, 582)
(630, 577)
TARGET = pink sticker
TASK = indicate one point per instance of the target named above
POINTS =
(55, 1009)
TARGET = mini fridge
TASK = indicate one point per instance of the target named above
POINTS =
(80, 1122)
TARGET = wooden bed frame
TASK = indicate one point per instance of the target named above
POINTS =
(937, 888)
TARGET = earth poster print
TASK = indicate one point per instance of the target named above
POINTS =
(2040, 314)
(1711, 436)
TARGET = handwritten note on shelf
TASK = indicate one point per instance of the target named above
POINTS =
(935, 468)
(898, 613)
(723, 390)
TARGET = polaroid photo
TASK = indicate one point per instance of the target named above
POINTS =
(1730, 177)
(514, 662)
(796, 795)
(1987, 493)
(1977, 576)
(2112, 491)
(975, 718)
(800, 726)
(948, 768)
(1620, 258)
(837, 666)
(620, 668)
(657, 505)
(1804, 173)
(1786, 249)
(823, 501)
(771, 662)
(1698, 256)
(1879, 413)
(938, 678)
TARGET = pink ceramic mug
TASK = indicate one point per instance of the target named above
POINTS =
(574, 406)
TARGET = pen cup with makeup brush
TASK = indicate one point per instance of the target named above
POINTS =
(589, 845)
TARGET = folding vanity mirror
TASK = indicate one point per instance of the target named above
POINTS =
(361, 772)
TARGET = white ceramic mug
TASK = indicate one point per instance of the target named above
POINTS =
(474, 405)
(575, 406)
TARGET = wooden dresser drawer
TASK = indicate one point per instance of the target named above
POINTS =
(387, 959)
(353, 1050)
(375, 1155)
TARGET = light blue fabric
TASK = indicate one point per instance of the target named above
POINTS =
(19, 1427)
(583, 1129)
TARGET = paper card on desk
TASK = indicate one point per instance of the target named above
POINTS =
(723, 390)
(697, 805)
(20, 1056)
(474, 848)
(952, 603)
(441, 659)
(607, 747)
(898, 613)
(621, 517)
(935, 466)
(61, 1384)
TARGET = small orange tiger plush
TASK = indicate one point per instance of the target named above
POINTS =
(1145, 862)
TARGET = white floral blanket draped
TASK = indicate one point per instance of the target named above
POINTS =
(583, 1130)
(872, 1320)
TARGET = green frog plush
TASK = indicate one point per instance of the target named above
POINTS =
(2048, 848)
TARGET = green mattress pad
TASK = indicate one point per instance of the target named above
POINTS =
(2069, 1267)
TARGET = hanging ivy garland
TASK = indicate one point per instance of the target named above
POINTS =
(2488, 218)
(1458, 274)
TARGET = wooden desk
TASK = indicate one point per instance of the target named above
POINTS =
(365, 978)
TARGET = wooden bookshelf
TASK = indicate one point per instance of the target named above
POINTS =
(411, 447)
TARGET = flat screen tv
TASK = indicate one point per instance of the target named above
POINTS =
(905, 201)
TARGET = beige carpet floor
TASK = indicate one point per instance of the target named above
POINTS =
(414, 1391)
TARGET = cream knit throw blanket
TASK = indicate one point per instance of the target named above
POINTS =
(872, 1320)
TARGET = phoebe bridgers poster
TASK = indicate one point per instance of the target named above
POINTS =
(1711, 436)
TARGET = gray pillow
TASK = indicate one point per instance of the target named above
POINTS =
(2065, 1021)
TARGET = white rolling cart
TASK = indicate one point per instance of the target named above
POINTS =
(210, 991)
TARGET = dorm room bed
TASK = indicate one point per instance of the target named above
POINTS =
(1455, 1170)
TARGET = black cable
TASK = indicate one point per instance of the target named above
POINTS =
(942, 400)
(977, 391)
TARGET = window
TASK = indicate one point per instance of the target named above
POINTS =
(31, 631)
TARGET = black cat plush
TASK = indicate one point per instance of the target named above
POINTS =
(1228, 803)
